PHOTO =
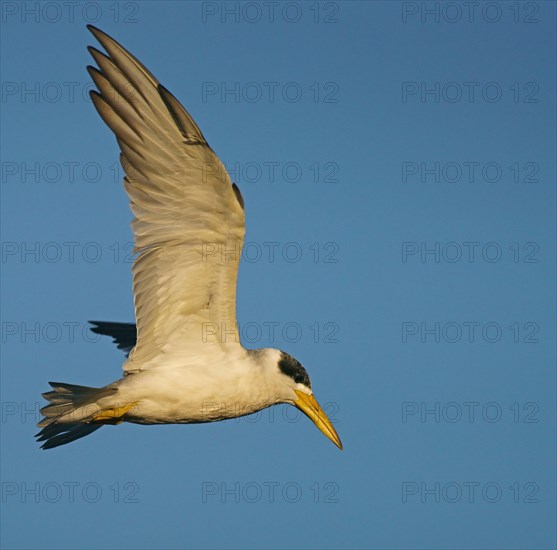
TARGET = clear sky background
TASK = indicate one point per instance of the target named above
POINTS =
(404, 167)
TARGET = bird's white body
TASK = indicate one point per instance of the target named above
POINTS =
(233, 385)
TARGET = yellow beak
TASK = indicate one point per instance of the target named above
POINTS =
(309, 406)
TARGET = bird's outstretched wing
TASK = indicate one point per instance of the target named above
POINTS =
(124, 334)
(189, 217)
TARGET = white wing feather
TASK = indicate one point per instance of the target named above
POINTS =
(189, 218)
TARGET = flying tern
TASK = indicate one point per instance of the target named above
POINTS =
(185, 209)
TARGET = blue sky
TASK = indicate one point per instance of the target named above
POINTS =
(398, 160)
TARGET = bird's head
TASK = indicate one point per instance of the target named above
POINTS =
(295, 389)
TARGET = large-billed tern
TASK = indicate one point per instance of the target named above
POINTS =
(185, 206)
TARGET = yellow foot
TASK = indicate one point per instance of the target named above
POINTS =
(115, 415)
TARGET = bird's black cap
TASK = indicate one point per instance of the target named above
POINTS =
(289, 366)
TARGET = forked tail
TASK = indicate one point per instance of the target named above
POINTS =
(71, 413)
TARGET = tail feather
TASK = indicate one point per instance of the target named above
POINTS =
(68, 415)
(54, 435)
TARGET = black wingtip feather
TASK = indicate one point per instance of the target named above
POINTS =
(95, 31)
(124, 335)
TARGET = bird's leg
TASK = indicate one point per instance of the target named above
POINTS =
(115, 415)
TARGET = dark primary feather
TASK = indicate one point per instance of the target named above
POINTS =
(124, 334)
